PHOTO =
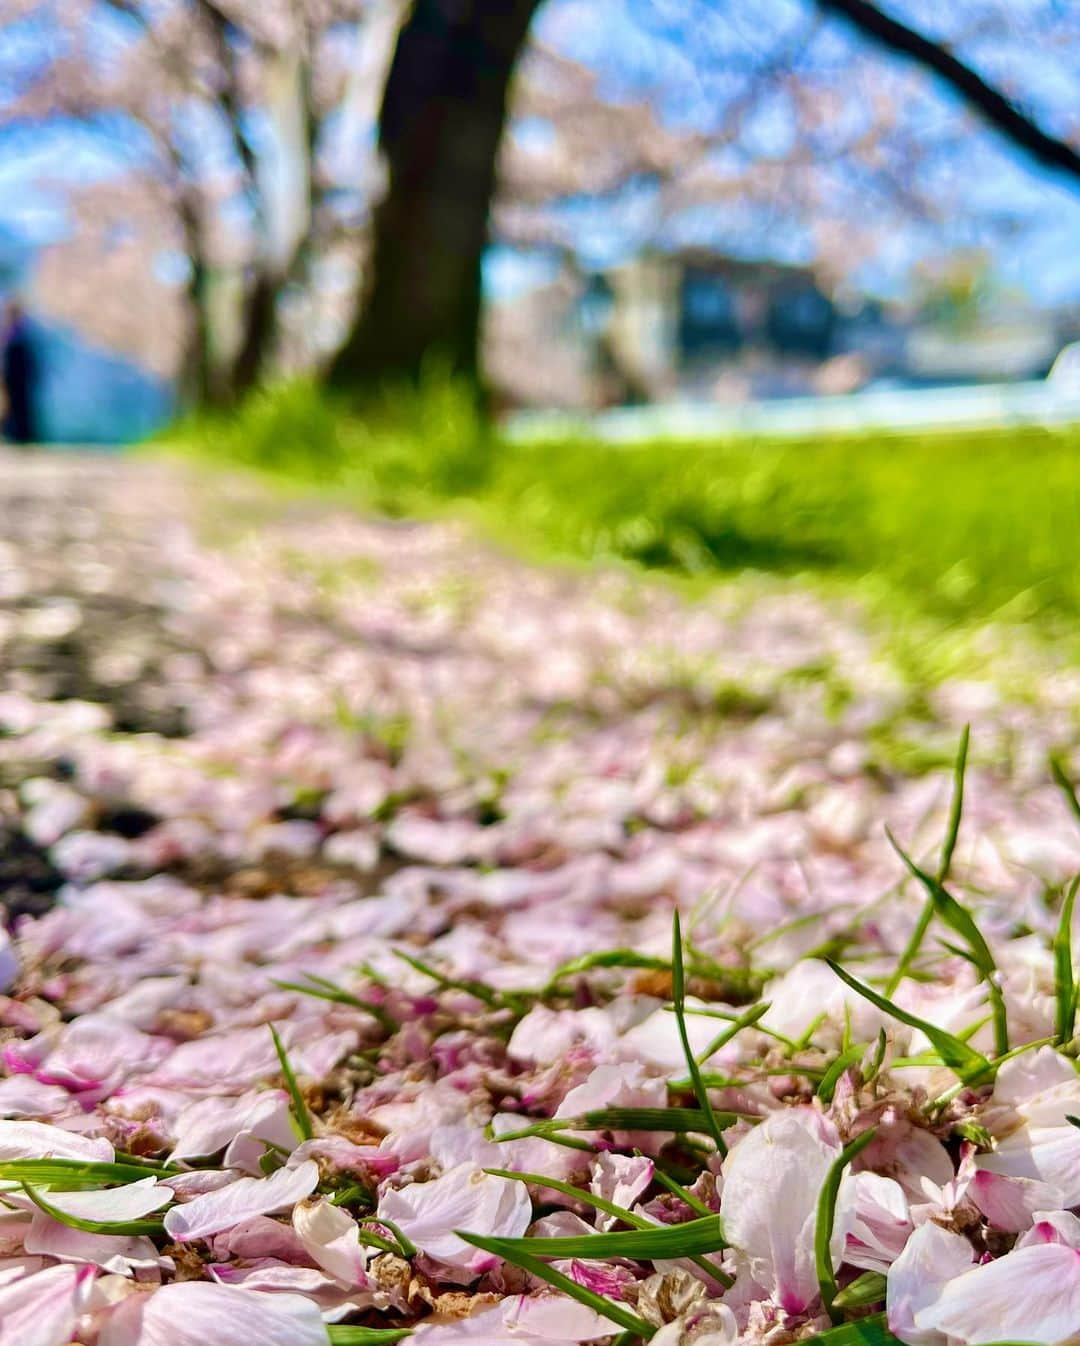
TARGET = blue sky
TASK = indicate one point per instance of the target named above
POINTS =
(645, 48)
(686, 56)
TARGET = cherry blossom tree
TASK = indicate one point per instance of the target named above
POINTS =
(444, 107)
(232, 114)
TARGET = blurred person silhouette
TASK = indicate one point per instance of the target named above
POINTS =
(20, 375)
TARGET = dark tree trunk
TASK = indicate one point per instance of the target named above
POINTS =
(197, 383)
(259, 333)
(442, 118)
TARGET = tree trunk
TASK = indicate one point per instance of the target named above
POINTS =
(442, 117)
(259, 334)
(196, 382)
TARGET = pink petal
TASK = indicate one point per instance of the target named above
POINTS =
(1011, 1203)
(1029, 1295)
(240, 1201)
(932, 1257)
(879, 1221)
(40, 1310)
(228, 1059)
(119, 1254)
(96, 1052)
(1053, 1226)
(39, 1140)
(275, 1278)
(133, 1202)
(622, 1179)
(772, 1180)
(331, 1238)
(202, 1313)
(23, 1096)
(208, 1125)
(464, 1198)
(548, 1320)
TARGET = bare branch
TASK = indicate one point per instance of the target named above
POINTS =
(991, 103)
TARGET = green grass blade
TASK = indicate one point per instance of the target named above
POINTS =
(366, 1336)
(956, 809)
(405, 1247)
(321, 989)
(678, 1120)
(370, 1240)
(871, 1331)
(1064, 978)
(831, 1078)
(483, 993)
(577, 1193)
(970, 1065)
(643, 1245)
(512, 1251)
(864, 1290)
(975, 1132)
(736, 1026)
(956, 806)
(958, 918)
(300, 1115)
(606, 958)
(678, 997)
(608, 1207)
(1065, 785)
(71, 1175)
(826, 1217)
(950, 911)
(878, 1059)
(121, 1227)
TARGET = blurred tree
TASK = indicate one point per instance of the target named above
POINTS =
(226, 109)
(440, 125)
(441, 122)
(249, 127)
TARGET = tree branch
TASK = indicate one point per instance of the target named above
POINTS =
(993, 105)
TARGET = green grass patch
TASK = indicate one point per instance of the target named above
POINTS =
(958, 522)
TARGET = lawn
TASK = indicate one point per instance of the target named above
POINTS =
(957, 523)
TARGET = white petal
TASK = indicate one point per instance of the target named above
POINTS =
(772, 1180)
(1029, 1295)
(198, 1313)
(133, 1202)
(331, 1238)
(40, 1310)
(240, 1200)
(1022, 1079)
(1049, 1154)
(465, 1198)
(932, 1257)
(39, 1140)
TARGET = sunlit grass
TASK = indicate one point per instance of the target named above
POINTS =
(955, 522)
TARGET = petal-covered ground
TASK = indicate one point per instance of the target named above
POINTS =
(340, 999)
